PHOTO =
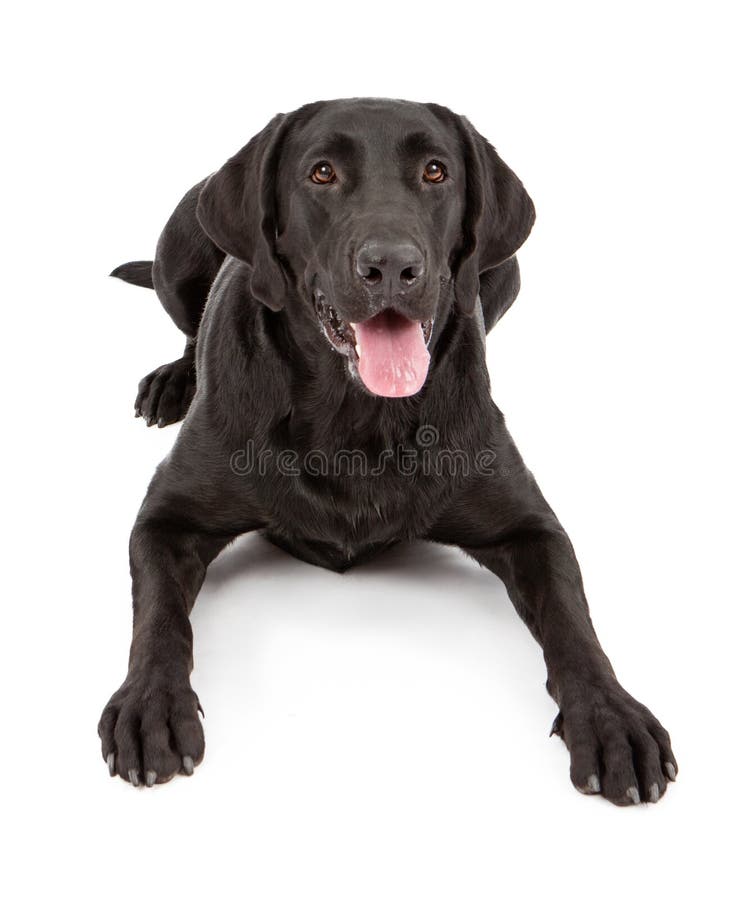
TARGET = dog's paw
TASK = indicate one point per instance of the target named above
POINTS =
(166, 393)
(617, 747)
(150, 730)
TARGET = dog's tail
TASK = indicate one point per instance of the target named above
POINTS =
(139, 272)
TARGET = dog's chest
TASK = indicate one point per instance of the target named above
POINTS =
(353, 508)
(336, 511)
(338, 487)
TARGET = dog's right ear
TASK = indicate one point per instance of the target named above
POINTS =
(237, 210)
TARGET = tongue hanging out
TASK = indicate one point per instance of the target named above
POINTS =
(393, 359)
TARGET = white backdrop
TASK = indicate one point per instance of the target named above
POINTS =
(382, 733)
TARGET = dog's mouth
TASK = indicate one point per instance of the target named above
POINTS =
(388, 352)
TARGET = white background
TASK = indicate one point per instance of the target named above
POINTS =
(381, 734)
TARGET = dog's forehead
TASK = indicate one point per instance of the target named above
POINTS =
(381, 122)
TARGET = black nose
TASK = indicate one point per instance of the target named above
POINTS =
(395, 266)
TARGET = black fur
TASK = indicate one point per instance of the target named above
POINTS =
(260, 241)
(138, 273)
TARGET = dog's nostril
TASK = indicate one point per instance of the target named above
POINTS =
(393, 264)
(409, 274)
(372, 276)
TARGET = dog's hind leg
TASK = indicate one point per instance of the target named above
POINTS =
(164, 395)
(184, 268)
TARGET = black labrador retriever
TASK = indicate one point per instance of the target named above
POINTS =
(353, 255)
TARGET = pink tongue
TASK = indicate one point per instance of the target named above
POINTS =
(393, 359)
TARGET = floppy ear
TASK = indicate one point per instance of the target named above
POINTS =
(499, 215)
(237, 210)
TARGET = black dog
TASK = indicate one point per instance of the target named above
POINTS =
(352, 255)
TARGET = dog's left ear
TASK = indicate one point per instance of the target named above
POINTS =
(498, 217)
(237, 210)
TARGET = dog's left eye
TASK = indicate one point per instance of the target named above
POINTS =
(434, 172)
(323, 173)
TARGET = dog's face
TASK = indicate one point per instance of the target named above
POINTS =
(374, 215)
(370, 207)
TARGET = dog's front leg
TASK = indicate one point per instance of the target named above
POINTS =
(150, 728)
(617, 747)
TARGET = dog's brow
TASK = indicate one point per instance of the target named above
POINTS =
(418, 143)
(337, 144)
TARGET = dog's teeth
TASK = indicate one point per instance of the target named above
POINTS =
(358, 351)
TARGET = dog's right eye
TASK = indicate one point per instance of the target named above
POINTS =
(323, 173)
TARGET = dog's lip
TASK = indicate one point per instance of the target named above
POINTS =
(341, 334)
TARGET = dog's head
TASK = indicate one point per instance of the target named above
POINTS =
(374, 215)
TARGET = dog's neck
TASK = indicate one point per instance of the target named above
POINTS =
(327, 400)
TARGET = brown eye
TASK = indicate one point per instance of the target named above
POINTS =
(434, 172)
(323, 174)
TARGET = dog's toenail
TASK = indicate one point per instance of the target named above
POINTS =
(188, 765)
(556, 725)
(161, 423)
(670, 770)
(594, 784)
(633, 794)
(654, 793)
(151, 778)
(133, 777)
(111, 764)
